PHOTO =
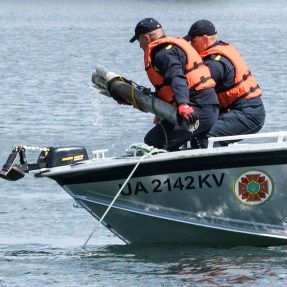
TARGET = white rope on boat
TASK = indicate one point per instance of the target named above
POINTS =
(137, 149)
(148, 150)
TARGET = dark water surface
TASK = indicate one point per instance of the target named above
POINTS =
(48, 51)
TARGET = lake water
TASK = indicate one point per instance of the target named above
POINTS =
(49, 50)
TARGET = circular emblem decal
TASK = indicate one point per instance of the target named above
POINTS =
(253, 187)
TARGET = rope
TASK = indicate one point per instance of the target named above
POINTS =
(165, 135)
(151, 151)
(133, 97)
(133, 86)
(139, 149)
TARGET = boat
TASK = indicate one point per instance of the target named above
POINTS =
(233, 195)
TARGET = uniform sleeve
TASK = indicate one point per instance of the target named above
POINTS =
(216, 70)
(222, 71)
(171, 65)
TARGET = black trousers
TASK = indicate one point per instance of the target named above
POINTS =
(168, 136)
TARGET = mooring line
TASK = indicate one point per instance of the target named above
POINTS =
(118, 193)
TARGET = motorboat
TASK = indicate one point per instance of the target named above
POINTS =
(231, 195)
(227, 195)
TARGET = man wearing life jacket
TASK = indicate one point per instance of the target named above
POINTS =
(241, 107)
(180, 78)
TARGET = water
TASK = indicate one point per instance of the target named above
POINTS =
(49, 50)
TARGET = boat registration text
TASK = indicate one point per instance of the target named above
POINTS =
(173, 184)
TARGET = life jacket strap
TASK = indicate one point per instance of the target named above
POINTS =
(251, 90)
(202, 80)
(196, 65)
(244, 78)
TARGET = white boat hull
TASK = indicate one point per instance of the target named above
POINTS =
(215, 196)
(233, 195)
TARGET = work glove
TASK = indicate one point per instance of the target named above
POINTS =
(184, 111)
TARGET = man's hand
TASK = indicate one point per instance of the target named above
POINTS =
(186, 112)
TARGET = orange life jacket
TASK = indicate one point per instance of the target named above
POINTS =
(245, 84)
(197, 73)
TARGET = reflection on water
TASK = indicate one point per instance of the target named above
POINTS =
(166, 264)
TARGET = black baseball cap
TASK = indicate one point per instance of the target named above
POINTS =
(144, 26)
(200, 28)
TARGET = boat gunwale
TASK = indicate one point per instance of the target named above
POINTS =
(126, 161)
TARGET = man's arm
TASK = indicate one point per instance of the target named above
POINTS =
(171, 65)
(216, 70)
(222, 72)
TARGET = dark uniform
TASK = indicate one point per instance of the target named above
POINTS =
(244, 116)
(170, 63)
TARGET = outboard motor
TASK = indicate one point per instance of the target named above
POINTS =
(59, 156)
(48, 158)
